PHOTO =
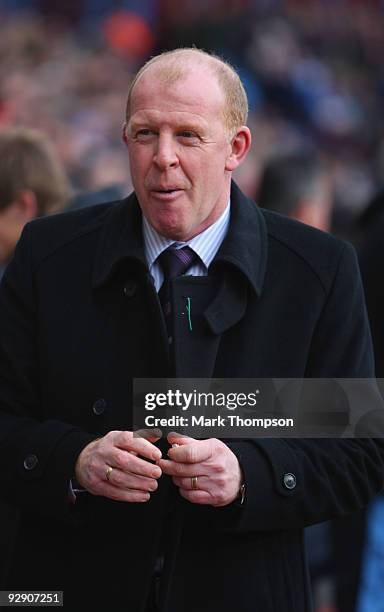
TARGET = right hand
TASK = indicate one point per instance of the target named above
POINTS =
(132, 478)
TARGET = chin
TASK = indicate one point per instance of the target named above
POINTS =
(172, 229)
(173, 233)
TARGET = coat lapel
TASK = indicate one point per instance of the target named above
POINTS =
(220, 301)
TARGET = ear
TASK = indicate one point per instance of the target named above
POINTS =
(124, 132)
(240, 145)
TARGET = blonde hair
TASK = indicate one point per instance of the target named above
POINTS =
(173, 66)
(27, 161)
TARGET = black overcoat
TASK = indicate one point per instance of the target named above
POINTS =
(80, 317)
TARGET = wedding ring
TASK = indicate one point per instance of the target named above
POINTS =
(108, 473)
(194, 484)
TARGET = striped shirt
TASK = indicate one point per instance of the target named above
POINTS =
(205, 245)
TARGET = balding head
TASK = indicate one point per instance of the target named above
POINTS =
(173, 66)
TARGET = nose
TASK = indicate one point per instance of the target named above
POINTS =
(165, 155)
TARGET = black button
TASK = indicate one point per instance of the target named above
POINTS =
(130, 289)
(289, 481)
(30, 462)
(99, 406)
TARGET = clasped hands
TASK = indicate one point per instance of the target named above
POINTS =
(137, 465)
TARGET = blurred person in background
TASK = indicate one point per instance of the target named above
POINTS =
(359, 538)
(370, 592)
(298, 185)
(32, 184)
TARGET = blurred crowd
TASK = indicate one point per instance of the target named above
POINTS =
(312, 69)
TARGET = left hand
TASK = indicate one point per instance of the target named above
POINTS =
(213, 463)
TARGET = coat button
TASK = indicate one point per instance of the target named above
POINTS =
(30, 462)
(130, 289)
(99, 406)
(289, 481)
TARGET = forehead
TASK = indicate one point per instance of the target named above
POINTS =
(196, 93)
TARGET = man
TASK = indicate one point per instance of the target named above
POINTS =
(32, 183)
(205, 525)
(298, 185)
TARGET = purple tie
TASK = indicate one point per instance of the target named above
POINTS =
(174, 262)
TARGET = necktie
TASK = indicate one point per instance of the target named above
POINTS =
(174, 262)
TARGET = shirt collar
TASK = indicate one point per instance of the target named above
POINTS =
(205, 245)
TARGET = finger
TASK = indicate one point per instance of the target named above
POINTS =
(143, 443)
(175, 438)
(131, 464)
(172, 468)
(121, 480)
(128, 442)
(149, 434)
(196, 497)
(194, 451)
(117, 494)
(202, 484)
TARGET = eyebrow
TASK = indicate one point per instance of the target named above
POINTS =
(182, 127)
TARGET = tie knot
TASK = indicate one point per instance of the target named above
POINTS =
(175, 262)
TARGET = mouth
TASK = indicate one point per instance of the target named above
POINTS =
(166, 189)
(166, 194)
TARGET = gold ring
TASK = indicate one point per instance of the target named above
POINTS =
(108, 473)
(194, 484)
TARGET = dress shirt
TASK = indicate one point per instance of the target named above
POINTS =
(205, 245)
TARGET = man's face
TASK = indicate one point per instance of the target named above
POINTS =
(178, 152)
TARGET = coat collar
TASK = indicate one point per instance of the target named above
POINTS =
(244, 247)
(121, 239)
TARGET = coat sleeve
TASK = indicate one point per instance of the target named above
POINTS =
(331, 477)
(37, 454)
